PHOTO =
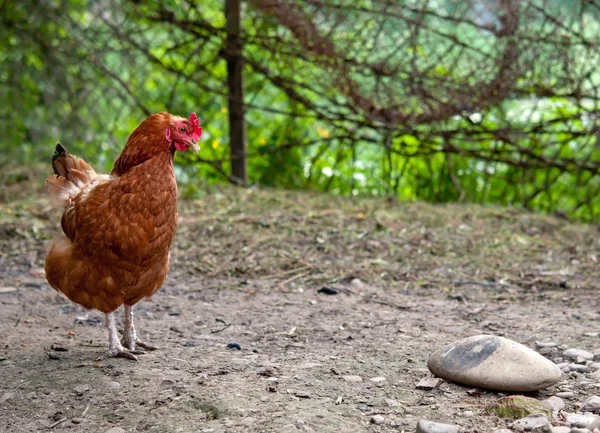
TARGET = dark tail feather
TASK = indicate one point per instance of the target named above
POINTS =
(71, 174)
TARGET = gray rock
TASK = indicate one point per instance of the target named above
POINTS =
(579, 419)
(492, 362)
(594, 366)
(591, 404)
(576, 353)
(425, 426)
(503, 430)
(530, 422)
(115, 430)
(565, 394)
(560, 429)
(556, 403)
(546, 428)
(377, 419)
(468, 414)
(580, 430)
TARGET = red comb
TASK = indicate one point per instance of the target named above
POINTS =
(195, 121)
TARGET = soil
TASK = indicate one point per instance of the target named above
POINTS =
(247, 267)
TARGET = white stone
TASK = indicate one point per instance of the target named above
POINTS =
(425, 426)
(579, 419)
(492, 362)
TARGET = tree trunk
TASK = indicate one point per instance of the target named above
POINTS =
(235, 83)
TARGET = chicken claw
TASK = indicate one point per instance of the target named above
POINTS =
(115, 349)
(130, 338)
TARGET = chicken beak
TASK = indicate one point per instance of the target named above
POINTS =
(193, 144)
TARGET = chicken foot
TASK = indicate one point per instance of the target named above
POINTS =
(115, 349)
(130, 338)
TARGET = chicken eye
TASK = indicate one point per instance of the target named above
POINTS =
(182, 129)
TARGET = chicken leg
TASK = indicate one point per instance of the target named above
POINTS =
(115, 348)
(130, 338)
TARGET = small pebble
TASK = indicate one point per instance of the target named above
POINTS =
(352, 378)
(114, 385)
(234, 346)
(503, 430)
(328, 291)
(556, 403)
(115, 430)
(540, 344)
(53, 356)
(357, 284)
(566, 394)
(58, 348)
(377, 379)
(377, 419)
(6, 397)
(81, 389)
(578, 368)
(591, 404)
(302, 394)
(579, 419)
(8, 289)
(580, 430)
(547, 428)
(391, 402)
(573, 354)
(468, 414)
(530, 422)
(560, 429)
(425, 426)
(429, 383)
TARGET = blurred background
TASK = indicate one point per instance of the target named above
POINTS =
(488, 101)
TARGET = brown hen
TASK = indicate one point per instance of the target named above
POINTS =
(118, 228)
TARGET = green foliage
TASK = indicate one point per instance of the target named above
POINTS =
(86, 73)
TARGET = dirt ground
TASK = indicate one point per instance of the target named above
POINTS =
(247, 266)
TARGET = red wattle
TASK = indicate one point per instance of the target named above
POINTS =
(180, 146)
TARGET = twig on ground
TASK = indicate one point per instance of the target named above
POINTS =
(289, 280)
(60, 421)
